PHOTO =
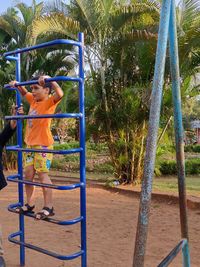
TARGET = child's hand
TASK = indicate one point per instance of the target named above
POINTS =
(21, 89)
(13, 84)
(14, 111)
(41, 80)
(19, 110)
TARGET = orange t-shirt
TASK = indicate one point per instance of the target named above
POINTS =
(38, 131)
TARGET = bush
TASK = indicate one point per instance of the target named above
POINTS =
(192, 166)
(168, 167)
(64, 146)
(99, 148)
(57, 164)
(192, 148)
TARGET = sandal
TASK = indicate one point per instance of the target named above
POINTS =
(25, 209)
(44, 213)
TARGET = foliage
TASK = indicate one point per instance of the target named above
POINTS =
(120, 45)
(70, 145)
(64, 129)
(192, 148)
(192, 166)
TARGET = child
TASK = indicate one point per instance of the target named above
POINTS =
(38, 136)
(5, 135)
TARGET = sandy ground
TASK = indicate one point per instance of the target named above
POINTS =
(111, 227)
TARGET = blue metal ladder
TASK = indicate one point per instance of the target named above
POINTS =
(18, 178)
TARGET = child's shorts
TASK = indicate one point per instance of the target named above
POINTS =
(40, 161)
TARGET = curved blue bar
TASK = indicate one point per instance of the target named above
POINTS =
(167, 260)
(12, 208)
(15, 179)
(51, 43)
(12, 58)
(63, 115)
(57, 78)
(61, 152)
(50, 253)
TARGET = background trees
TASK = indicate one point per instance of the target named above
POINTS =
(120, 45)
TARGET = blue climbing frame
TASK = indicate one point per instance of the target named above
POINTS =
(18, 178)
(167, 31)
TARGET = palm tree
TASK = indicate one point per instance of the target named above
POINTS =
(109, 26)
(188, 23)
(16, 23)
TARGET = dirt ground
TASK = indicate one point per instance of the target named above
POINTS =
(111, 227)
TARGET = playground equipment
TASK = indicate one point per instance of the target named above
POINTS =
(18, 178)
(167, 29)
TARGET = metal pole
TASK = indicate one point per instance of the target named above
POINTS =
(179, 133)
(82, 153)
(186, 255)
(145, 198)
(20, 168)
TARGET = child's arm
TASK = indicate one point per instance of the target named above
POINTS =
(15, 109)
(9, 129)
(58, 90)
(22, 89)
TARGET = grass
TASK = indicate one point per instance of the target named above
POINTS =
(99, 168)
(170, 184)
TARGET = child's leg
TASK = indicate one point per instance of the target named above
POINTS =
(47, 192)
(29, 173)
(42, 163)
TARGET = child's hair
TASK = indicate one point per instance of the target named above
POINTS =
(47, 84)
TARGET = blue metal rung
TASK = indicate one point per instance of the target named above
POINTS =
(170, 257)
(15, 179)
(61, 152)
(63, 115)
(12, 239)
(51, 43)
(12, 208)
(57, 78)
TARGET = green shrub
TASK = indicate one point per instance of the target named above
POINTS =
(168, 167)
(57, 164)
(99, 148)
(192, 148)
(192, 166)
(103, 168)
(70, 145)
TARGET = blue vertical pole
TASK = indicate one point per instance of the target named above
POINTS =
(179, 132)
(186, 255)
(154, 118)
(20, 169)
(82, 153)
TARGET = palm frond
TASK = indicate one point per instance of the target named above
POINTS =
(6, 26)
(54, 23)
(139, 35)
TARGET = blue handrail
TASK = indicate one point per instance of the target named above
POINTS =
(18, 178)
(182, 245)
(12, 239)
(58, 78)
(63, 115)
(51, 43)
(61, 152)
(12, 208)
